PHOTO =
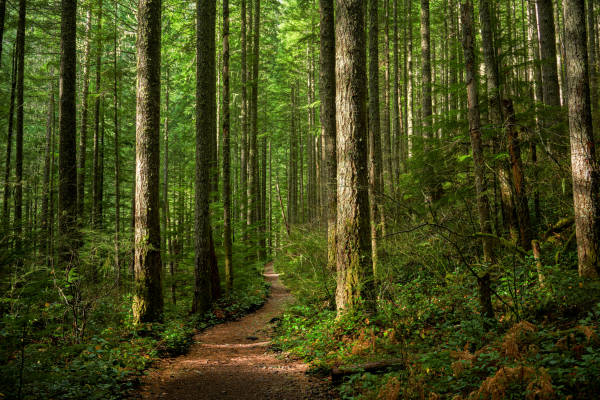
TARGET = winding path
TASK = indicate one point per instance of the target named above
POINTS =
(232, 361)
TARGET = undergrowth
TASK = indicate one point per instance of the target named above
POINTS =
(41, 356)
(543, 344)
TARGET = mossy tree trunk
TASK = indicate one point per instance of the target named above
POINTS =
(354, 264)
(147, 296)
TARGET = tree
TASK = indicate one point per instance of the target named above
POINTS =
(584, 165)
(2, 14)
(9, 140)
(20, 54)
(97, 161)
(227, 245)
(84, 115)
(327, 95)
(354, 264)
(483, 205)
(147, 297)
(205, 289)
(375, 163)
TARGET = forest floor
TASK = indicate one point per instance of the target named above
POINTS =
(233, 361)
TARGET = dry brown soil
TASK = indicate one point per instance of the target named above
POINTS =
(232, 361)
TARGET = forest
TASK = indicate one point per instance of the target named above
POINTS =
(299, 199)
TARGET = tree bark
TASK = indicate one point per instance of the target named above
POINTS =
(244, 118)
(375, 167)
(117, 151)
(227, 243)
(328, 129)
(9, 140)
(20, 51)
(2, 14)
(147, 298)
(96, 184)
(84, 116)
(586, 197)
(354, 265)
(205, 261)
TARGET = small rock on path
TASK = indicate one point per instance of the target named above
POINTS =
(232, 361)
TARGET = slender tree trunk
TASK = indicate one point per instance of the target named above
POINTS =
(227, 245)
(586, 197)
(46, 184)
(84, 116)
(354, 265)
(387, 141)
(147, 298)
(205, 263)
(244, 119)
(9, 140)
(538, 96)
(117, 152)
(375, 167)
(96, 185)
(18, 221)
(483, 205)
(547, 40)
(408, 55)
(2, 14)
(518, 178)
(253, 173)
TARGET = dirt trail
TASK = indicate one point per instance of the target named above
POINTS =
(231, 361)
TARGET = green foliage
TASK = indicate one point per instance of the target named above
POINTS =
(546, 340)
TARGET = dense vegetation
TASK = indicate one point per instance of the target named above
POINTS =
(423, 175)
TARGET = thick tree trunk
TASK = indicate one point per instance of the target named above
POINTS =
(84, 116)
(205, 262)
(354, 265)
(375, 172)
(328, 132)
(20, 51)
(586, 197)
(67, 168)
(227, 244)
(147, 297)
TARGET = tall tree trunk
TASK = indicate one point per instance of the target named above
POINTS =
(538, 96)
(147, 298)
(426, 106)
(227, 244)
(165, 180)
(483, 205)
(327, 94)
(67, 168)
(84, 116)
(117, 152)
(18, 221)
(244, 119)
(205, 263)
(354, 265)
(592, 53)
(2, 14)
(96, 185)
(547, 40)
(586, 197)
(253, 174)
(387, 141)
(375, 173)
(409, 76)
(46, 184)
(9, 140)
